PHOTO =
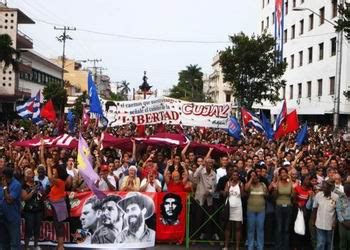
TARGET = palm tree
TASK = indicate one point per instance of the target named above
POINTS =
(8, 54)
(124, 88)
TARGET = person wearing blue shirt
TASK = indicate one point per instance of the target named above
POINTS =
(10, 211)
(343, 212)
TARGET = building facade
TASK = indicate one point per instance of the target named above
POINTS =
(214, 87)
(33, 72)
(310, 47)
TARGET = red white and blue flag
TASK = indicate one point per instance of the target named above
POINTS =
(250, 120)
(281, 116)
(279, 27)
(31, 109)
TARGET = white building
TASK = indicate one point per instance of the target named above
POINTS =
(214, 87)
(34, 71)
(310, 49)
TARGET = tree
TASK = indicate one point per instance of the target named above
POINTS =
(8, 54)
(250, 66)
(78, 105)
(343, 24)
(124, 89)
(57, 94)
(190, 85)
(117, 97)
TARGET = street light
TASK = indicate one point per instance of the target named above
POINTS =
(338, 69)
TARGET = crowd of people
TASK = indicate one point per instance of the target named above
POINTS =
(259, 188)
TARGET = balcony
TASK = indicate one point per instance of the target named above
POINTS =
(24, 41)
(24, 66)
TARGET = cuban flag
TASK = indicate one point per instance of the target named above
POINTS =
(279, 27)
(234, 129)
(36, 110)
(250, 120)
(26, 109)
(281, 116)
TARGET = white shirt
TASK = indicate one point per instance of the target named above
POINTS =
(325, 210)
(103, 186)
(150, 188)
(220, 172)
(235, 196)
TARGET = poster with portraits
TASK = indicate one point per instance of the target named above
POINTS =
(120, 220)
(171, 217)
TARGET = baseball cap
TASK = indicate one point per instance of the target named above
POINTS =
(286, 163)
(104, 168)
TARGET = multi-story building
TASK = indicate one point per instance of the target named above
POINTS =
(310, 47)
(34, 71)
(214, 87)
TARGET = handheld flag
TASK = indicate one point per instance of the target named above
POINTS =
(95, 104)
(302, 135)
(281, 116)
(86, 117)
(250, 120)
(71, 118)
(279, 27)
(85, 168)
(26, 109)
(36, 110)
(267, 126)
(234, 128)
(48, 111)
(290, 124)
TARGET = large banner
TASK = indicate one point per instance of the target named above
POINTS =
(168, 111)
(121, 220)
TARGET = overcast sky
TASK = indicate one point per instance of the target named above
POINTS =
(126, 59)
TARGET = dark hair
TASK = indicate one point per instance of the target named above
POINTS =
(282, 169)
(250, 174)
(346, 187)
(62, 172)
(113, 198)
(8, 172)
(109, 104)
(178, 209)
(95, 203)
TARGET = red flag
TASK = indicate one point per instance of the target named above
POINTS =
(140, 130)
(290, 124)
(48, 111)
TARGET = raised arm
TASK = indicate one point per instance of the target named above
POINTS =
(184, 150)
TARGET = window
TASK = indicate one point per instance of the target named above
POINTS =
(320, 46)
(302, 1)
(301, 27)
(262, 26)
(284, 92)
(333, 46)
(273, 17)
(267, 22)
(309, 89)
(228, 97)
(319, 92)
(301, 54)
(334, 8)
(285, 60)
(263, 3)
(291, 92)
(322, 16)
(294, 3)
(311, 21)
(310, 54)
(285, 36)
(300, 88)
(286, 7)
(293, 32)
(292, 61)
(331, 85)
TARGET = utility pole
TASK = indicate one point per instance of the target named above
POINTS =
(94, 61)
(62, 38)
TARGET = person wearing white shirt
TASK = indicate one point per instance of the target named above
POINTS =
(107, 182)
(221, 171)
(150, 183)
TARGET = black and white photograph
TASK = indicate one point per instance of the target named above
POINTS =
(170, 209)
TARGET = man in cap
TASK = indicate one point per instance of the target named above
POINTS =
(111, 220)
(137, 208)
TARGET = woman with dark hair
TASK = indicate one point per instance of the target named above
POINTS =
(33, 197)
(57, 199)
(282, 189)
(255, 210)
(300, 198)
(234, 192)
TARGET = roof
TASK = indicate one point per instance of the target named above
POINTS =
(34, 54)
(21, 17)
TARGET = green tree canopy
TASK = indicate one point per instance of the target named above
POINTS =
(343, 24)
(8, 54)
(250, 66)
(78, 105)
(57, 94)
(190, 85)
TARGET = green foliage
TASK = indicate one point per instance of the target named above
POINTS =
(250, 66)
(190, 85)
(57, 94)
(78, 105)
(117, 97)
(124, 89)
(343, 24)
(8, 55)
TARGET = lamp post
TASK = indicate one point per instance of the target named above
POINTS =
(338, 69)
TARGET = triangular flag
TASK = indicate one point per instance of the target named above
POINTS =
(48, 111)
(290, 124)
